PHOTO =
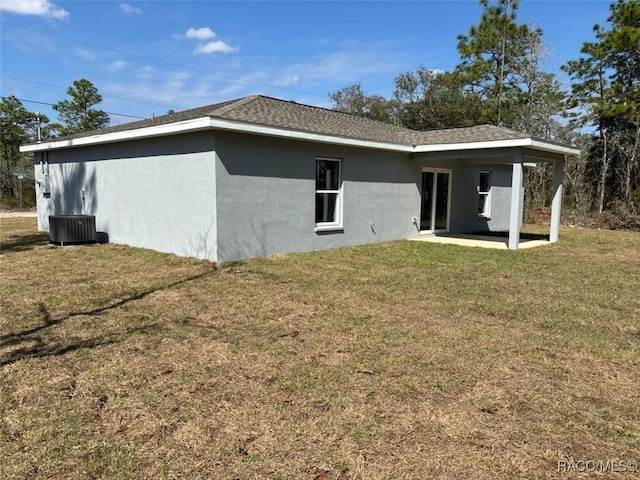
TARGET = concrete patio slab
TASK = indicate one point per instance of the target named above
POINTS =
(482, 241)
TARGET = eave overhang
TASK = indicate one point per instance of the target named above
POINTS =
(208, 123)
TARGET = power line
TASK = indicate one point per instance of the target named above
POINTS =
(35, 82)
(157, 60)
(51, 104)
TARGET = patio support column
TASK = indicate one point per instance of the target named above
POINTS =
(517, 203)
(556, 204)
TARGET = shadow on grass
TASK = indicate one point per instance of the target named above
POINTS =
(18, 243)
(523, 235)
(38, 348)
(31, 344)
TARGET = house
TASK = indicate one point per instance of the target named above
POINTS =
(258, 176)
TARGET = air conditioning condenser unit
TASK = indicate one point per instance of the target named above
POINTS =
(72, 229)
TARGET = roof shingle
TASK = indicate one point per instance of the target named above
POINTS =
(272, 112)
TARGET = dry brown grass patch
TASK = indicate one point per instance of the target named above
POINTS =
(398, 360)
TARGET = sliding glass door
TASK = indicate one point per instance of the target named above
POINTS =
(435, 192)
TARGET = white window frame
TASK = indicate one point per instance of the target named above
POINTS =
(486, 212)
(335, 225)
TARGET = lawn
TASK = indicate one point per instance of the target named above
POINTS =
(401, 360)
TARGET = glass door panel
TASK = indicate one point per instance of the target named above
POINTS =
(427, 200)
(434, 207)
(442, 201)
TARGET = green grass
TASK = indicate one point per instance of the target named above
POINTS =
(394, 360)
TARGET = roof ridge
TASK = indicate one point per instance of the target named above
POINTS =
(459, 127)
(286, 114)
(219, 112)
(510, 131)
(502, 128)
(334, 111)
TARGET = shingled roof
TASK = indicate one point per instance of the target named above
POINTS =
(478, 133)
(272, 112)
(271, 116)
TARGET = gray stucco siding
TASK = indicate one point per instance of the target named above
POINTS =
(266, 196)
(155, 193)
(226, 196)
(500, 199)
(458, 195)
(465, 176)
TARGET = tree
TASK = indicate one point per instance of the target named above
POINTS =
(504, 62)
(421, 100)
(352, 99)
(428, 99)
(606, 94)
(537, 105)
(623, 46)
(590, 95)
(539, 100)
(578, 190)
(17, 127)
(78, 113)
(492, 55)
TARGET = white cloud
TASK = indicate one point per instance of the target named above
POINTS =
(205, 48)
(84, 53)
(43, 8)
(117, 65)
(147, 72)
(129, 9)
(204, 33)
(30, 42)
(350, 63)
(240, 76)
(169, 88)
(287, 81)
(214, 47)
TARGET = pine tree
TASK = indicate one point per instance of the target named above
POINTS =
(606, 95)
(78, 113)
(492, 55)
(18, 126)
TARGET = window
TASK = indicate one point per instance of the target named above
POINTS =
(484, 194)
(328, 201)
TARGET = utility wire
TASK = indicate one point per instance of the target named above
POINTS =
(35, 82)
(51, 104)
(157, 60)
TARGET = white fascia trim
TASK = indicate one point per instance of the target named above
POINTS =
(516, 142)
(207, 123)
(552, 147)
(159, 130)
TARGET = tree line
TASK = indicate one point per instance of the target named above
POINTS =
(502, 79)
(19, 126)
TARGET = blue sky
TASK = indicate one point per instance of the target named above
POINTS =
(152, 56)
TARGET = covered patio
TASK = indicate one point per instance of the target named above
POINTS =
(506, 159)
